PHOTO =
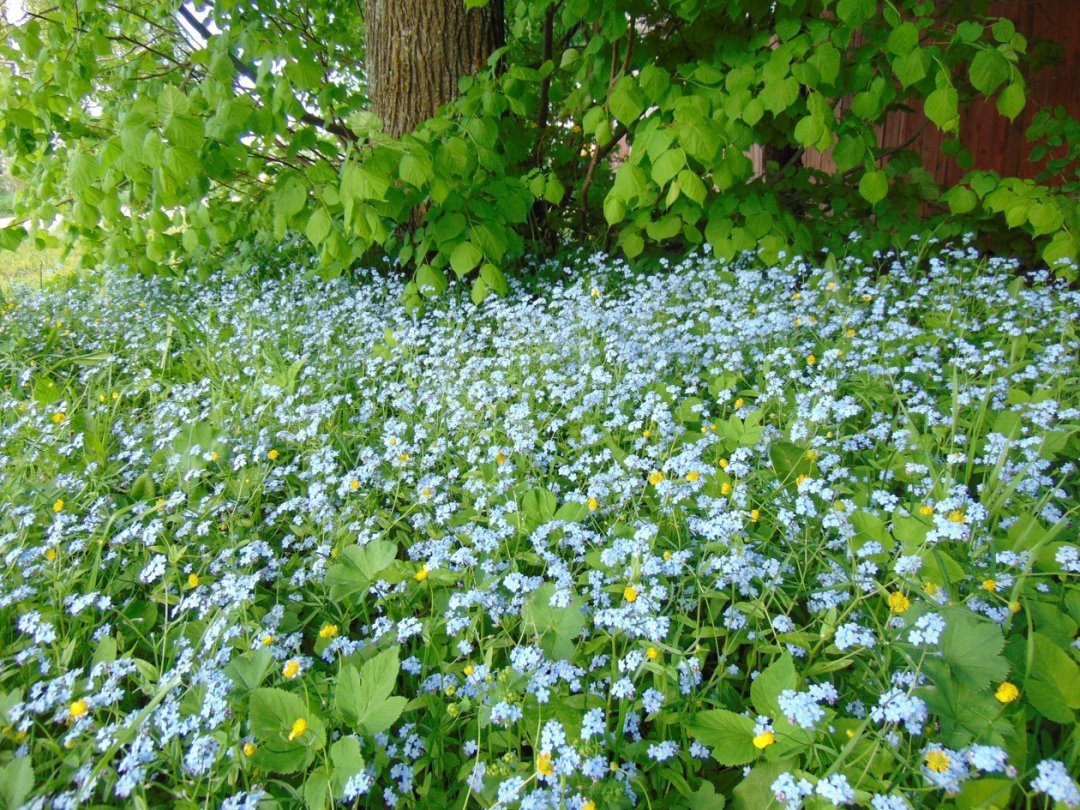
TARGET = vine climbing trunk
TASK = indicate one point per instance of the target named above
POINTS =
(417, 50)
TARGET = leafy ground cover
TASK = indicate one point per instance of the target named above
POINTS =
(802, 536)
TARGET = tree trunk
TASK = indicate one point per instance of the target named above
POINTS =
(417, 50)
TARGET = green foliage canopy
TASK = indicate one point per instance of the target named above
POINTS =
(166, 133)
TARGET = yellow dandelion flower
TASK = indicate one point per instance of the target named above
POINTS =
(652, 653)
(354, 485)
(500, 459)
(214, 456)
(725, 488)
(755, 515)
(646, 434)
(739, 403)
(273, 455)
(291, 668)
(59, 417)
(898, 602)
(850, 333)
(723, 463)
(588, 804)
(655, 477)
(469, 670)
(1007, 692)
(299, 726)
(267, 640)
(764, 740)
(989, 585)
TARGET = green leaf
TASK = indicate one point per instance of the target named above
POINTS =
(273, 714)
(494, 278)
(1011, 101)
(972, 648)
(1052, 685)
(465, 257)
(316, 790)
(554, 191)
(941, 107)
(706, 798)
(318, 226)
(777, 96)
(667, 165)
(692, 186)
(766, 688)
(988, 70)
(961, 199)
(789, 461)
(348, 761)
(82, 171)
(809, 131)
(874, 186)
(248, 670)
(855, 12)
(625, 101)
(16, 781)
(556, 627)
(364, 698)
(729, 735)
(416, 170)
(614, 209)
(632, 244)
(357, 568)
(903, 39)
(430, 280)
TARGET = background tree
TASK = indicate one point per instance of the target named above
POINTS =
(166, 132)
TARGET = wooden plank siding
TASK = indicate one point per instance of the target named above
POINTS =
(995, 143)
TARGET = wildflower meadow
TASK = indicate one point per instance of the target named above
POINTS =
(718, 535)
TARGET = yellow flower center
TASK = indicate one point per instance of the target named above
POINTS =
(764, 740)
(723, 463)
(956, 516)
(267, 640)
(989, 585)
(593, 504)
(298, 728)
(926, 510)
(328, 631)
(273, 455)
(800, 479)
(937, 761)
(291, 668)
(652, 653)
(59, 417)
(630, 593)
(544, 765)
(78, 708)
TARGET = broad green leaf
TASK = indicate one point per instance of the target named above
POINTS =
(430, 280)
(669, 164)
(766, 688)
(988, 70)
(874, 186)
(729, 735)
(318, 226)
(941, 107)
(465, 257)
(1052, 685)
(274, 714)
(972, 648)
(625, 101)
(1011, 100)
(961, 199)
(364, 697)
(903, 39)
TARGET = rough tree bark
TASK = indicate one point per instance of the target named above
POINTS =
(417, 50)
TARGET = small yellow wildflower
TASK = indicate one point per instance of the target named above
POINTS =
(937, 761)
(291, 668)
(214, 456)
(469, 670)
(800, 479)
(404, 457)
(59, 417)
(593, 504)
(989, 585)
(116, 395)
(630, 593)
(500, 459)
(1014, 607)
(693, 476)
(595, 292)
(725, 488)
(328, 631)
(250, 749)
(755, 515)
(267, 640)
(50, 554)
(646, 434)
(1007, 692)
(868, 298)
(926, 510)
(78, 708)
(811, 455)
(193, 580)
(544, 765)
(354, 485)
(898, 602)
(667, 555)
(655, 477)
(764, 740)
(588, 804)
(739, 403)
(931, 588)
(298, 728)
(811, 360)
(723, 463)
(273, 455)
(850, 333)
(58, 505)
(956, 516)
(652, 653)
(422, 574)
